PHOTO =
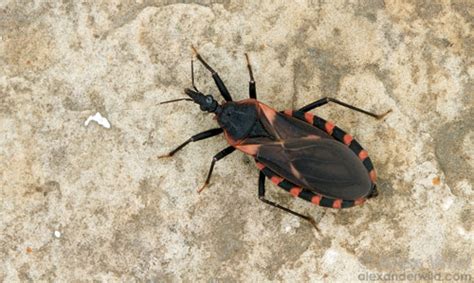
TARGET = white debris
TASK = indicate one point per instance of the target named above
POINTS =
(57, 234)
(468, 235)
(447, 203)
(99, 119)
(330, 256)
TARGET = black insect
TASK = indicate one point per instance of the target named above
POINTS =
(302, 153)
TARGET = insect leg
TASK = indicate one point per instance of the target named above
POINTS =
(252, 88)
(220, 84)
(261, 196)
(325, 100)
(223, 153)
(197, 137)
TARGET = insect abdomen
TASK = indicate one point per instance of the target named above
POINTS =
(339, 135)
(305, 194)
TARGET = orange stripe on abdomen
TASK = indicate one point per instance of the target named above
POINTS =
(363, 154)
(309, 117)
(329, 126)
(295, 191)
(347, 139)
(316, 199)
(337, 203)
(276, 180)
(373, 176)
(260, 166)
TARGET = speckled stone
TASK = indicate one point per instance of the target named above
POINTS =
(87, 202)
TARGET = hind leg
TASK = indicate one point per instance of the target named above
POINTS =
(325, 100)
(261, 196)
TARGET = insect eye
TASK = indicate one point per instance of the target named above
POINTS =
(208, 100)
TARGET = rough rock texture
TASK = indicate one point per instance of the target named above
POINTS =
(89, 202)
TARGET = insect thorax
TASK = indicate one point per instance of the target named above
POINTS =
(238, 119)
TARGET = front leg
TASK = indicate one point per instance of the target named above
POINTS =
(197, 137)
(217, 79)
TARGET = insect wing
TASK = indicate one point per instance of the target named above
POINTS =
(324, 166)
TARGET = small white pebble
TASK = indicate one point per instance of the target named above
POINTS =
(57, 234)
(330, 256)
(447, 203)
(467, 235)
(99, 119)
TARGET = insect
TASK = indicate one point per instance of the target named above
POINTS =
(307, 156)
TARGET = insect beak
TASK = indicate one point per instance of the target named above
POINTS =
(207, 102)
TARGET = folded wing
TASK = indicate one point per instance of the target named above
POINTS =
(324, 166)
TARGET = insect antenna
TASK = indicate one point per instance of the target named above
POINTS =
(175, 100)
(192, 74)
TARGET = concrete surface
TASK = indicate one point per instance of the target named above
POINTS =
(96, 203)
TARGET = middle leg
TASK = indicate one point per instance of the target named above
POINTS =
(223, 153)
(252, 88)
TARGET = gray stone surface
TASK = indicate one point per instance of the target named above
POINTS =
(91, 202)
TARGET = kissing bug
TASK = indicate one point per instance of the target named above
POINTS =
(307, 156)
